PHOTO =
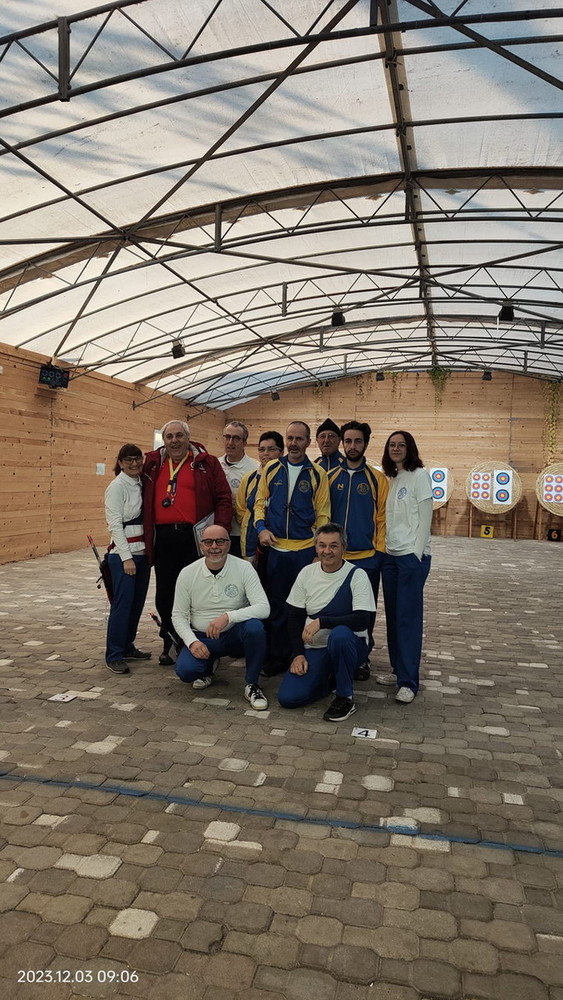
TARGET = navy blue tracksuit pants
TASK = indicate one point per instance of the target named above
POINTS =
(403, 584)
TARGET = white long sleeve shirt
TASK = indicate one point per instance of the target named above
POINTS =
(123, 502)
(235, 473)
(408, 514)
(201, 596)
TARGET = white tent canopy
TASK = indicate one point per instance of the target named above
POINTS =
(282, 192)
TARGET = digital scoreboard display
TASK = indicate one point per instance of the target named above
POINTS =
(55, 378)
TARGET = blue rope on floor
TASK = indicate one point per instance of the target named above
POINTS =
(334, 823)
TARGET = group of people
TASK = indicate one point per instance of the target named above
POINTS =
(277, 560)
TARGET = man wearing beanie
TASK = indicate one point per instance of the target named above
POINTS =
(328, 441)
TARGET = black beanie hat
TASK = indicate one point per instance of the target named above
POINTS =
(328, 425)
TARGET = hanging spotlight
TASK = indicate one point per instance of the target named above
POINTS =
(337, 319)
(379, 377)
(178, 349)
(275, 395)
(506, 314)
(487, 376)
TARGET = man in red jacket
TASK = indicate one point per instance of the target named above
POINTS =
(182, 484)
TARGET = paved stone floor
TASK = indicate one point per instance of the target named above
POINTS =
(158, 842)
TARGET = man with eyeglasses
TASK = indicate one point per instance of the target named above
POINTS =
(328, 442)
(182, 485)
(270, 446)
(236, 464)
(219, 605)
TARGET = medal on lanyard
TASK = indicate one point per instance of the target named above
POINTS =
(172, 482)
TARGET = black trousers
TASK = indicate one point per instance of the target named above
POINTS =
(174, 548)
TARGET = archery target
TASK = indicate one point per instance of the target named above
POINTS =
(480, 485)
(553, 488)
(439, 479)
(502, 486)
(492, 489)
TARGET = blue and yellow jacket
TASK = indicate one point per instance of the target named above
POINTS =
(244, 509)
(293, 523)
(330, 462)
(358, 504)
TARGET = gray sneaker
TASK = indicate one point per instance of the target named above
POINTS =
(405, 696)
(387, 679)
(117, 666)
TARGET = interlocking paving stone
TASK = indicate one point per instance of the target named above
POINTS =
(274, 907)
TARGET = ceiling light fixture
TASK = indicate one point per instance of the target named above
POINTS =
(379, 377)
(178, 349)
(506, 314)
(487, 376)
(337, 319)
(275, 395)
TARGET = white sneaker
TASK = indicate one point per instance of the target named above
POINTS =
(202, 682)
(405, 695)
(387, 679)
(256, 697)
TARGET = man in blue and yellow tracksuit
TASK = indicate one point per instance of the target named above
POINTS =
(292, 501)
(328, 441)
(358, 494)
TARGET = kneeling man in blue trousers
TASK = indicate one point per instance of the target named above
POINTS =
(219, 605)
(329, 609)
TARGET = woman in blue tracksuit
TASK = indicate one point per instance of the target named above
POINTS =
(270, 446)
(408, 518)
(127, 561)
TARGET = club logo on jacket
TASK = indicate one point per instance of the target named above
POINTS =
(231, 590)
(304, 486)
(362, 489)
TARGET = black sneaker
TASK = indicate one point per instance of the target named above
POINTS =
(363, 673)
(165, 660)
(137, 654)
(117, 666)
(340, 710)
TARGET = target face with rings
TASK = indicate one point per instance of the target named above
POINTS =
(503, 478)
(438, 493)
(438, 475)
(502, 496)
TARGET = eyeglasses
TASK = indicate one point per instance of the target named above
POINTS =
(132, 461)
(232, 437)
(208, 542)
(273, 447)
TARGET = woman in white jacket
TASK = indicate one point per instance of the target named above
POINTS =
(127, 561)
(408, 518)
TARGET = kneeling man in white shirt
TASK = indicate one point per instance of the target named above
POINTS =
(330, 607)
(219, 604)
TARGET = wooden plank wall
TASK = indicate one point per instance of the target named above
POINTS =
(469, 422)
(52, 440)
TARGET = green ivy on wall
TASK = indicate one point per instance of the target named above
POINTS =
(552, 400)
(438, 376)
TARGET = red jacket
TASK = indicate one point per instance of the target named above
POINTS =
(213, 492)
